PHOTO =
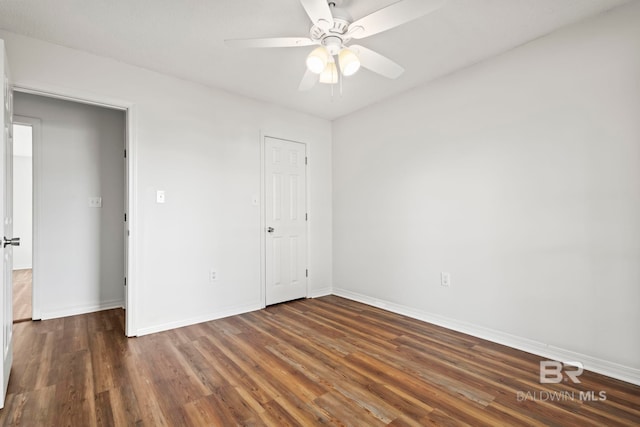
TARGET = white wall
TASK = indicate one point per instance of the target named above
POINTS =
(80, 249)
(22, 200)
(202, 146)
(521, 177)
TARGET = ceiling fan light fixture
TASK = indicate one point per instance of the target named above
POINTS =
(330, 74)
(317, 60)
(349, 62)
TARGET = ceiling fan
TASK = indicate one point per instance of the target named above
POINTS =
(333, 29)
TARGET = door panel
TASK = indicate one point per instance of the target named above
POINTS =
(285, 219)
(6, 200)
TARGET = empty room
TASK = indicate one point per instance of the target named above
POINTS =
(320, 212)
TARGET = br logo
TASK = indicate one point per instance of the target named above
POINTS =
(552, 372)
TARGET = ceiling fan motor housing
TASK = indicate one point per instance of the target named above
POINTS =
(333, 37)
(330, 37)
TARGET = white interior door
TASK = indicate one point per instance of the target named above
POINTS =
(6, 199)
(285, 220)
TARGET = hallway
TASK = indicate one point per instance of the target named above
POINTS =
(22, 295)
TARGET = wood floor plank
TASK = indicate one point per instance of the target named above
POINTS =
(75, 397)
(30, 408)
(347, 411)
(275, 415)
(146, 405)
(327, 361)
(124, 405)
(104, 413)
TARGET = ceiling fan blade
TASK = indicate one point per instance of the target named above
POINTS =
(270, 42)
(392, 16)
(319, 12)
(376, 62)
(308, 81)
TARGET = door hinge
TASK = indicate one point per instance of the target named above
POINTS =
(306, 160)
(306, 217)
(125, 217)
(125, 281)
(125, 154)
(306, 272)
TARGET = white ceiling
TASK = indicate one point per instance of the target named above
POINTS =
(185, 39)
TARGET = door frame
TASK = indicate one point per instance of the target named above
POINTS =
(130, 249)
(263, 214)
(36, 159)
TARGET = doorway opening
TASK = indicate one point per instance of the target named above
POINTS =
(23, 134)
(81, 160)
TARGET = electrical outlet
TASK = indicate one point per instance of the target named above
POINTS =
(445, 279)
(213, 275)
(95, 202)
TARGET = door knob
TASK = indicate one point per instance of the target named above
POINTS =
(270, 229)
(13, 242)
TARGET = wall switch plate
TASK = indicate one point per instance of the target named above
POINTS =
(160, 196)
(445, 279)
(95, 202)
(254, 200)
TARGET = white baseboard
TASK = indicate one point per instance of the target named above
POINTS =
(323, 292)
(83, 309)
(604, 367)
(199, 319)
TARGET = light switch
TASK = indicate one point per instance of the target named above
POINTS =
(160, 196)
(254, 200)
(445, 279)
(95, 202)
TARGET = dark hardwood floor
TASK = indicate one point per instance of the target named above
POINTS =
(308, 362)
